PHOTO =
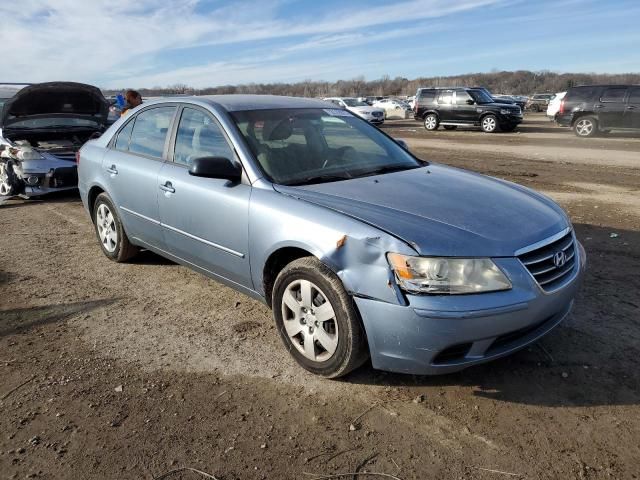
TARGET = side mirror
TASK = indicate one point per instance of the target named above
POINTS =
(402, 143)
(470, 102)
(216, 167)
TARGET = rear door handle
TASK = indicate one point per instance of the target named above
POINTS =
(167, 187)
(631, 107)
(112, 170)
(599, 106)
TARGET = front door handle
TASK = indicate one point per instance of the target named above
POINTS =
(167, 187)
(631, 107)
(598, 106)
(112, 170)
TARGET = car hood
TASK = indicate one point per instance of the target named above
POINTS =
(59, 99)
(440, 210)
(365, 109)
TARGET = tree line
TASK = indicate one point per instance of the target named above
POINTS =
(521, 82)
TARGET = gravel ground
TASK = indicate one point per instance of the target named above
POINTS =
(133, 370)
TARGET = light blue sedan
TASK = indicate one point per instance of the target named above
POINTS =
(360, 249)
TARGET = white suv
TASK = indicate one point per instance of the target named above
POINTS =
(554, 105)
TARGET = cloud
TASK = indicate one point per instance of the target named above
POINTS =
(109, 42)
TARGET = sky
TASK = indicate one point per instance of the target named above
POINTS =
(200, 43)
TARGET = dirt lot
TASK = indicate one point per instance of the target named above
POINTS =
(130, 371)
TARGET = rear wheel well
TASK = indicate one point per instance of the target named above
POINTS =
(429, 112)
(91, 198)
(578, 116)
(274, 265)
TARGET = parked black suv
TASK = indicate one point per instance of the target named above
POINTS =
(454, 107)
(593, 109)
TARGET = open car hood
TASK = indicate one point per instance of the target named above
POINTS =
(56, 99)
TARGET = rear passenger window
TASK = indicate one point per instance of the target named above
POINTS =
(150, 131)
(198, 136)
(122, 141)
(613, 94)
(445, 97)
(634, 96)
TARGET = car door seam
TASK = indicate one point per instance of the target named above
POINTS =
(186, 234)
(202, 240)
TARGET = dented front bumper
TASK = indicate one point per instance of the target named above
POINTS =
(444, 334)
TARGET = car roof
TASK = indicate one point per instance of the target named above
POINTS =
(237, 103)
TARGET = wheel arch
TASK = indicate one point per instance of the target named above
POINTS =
(488, 112)
(92, 195)
(583, 113)
(427, 112)
(276, 262)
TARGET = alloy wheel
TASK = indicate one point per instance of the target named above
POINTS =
(584, 127)
(489, 124)
(5, 186)
(430, 122)
(309, 320)
(107, 230)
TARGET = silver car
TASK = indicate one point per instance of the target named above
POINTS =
(42, 126)
(360, 249)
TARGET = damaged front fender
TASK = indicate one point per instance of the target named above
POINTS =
(354, 250)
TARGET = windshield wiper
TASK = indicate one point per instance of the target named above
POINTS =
(329, 177)
(388, 169)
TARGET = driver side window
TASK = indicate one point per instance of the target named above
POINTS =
(462, 98)
(199, 135)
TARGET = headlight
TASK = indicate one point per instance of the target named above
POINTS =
(505, 112)
(442, 275)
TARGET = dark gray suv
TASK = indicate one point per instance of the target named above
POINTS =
(594, 109)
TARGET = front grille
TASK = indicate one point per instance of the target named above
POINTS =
(376, 114)
(69, 155)
(551, 263)
(64, 177)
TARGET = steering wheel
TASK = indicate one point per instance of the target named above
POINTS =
(342, 153)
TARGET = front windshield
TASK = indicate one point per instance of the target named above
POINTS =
(53, 122)
(304, 146)
(480, 96)
(352, 102)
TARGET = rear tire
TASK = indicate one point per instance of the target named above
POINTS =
(586, 127)
(110, 232)
(317, 319)
(450, 127)
(431, 122)
(489, 124)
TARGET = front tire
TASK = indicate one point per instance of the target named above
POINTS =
(489, 124)
(110, 232)
(431, 122)
(317, 319)
(586, 127)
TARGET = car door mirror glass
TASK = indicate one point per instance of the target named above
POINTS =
(216, 167)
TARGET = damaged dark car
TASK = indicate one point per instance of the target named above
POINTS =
(42, 126)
